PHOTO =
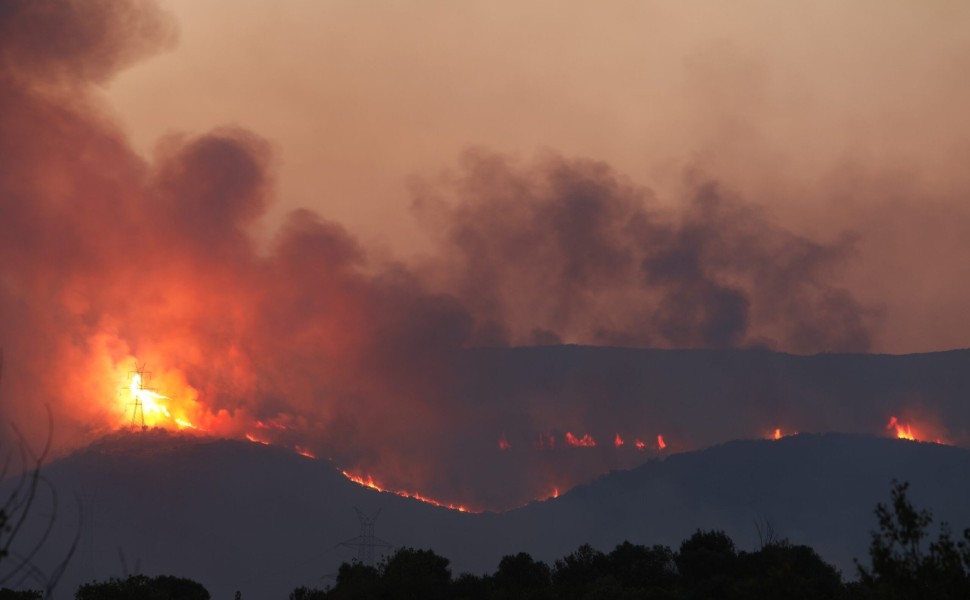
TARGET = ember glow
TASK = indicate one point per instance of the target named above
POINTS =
(303, 452)
(618, 441)
(586, 441)
(368, 481)
(503, 443)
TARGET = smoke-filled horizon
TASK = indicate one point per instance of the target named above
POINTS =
(110, 259)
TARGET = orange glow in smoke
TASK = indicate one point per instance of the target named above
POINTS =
(618, 441)
(368, 481)
(584, 442)
(545, 441)
(661, 444)
(271, 425)
(503, 443)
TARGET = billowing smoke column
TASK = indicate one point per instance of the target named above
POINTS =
(567, 250)
(108, 262)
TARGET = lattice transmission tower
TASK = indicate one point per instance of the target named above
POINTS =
(137, 384)
(367, 542)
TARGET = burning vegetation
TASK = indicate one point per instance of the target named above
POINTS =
(305, 338)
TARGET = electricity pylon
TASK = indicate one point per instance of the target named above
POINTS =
(366, 542)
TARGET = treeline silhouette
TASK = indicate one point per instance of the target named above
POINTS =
(906, 563)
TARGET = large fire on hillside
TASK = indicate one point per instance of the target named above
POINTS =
(160, 410)
(464, 372)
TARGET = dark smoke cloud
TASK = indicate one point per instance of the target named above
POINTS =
(106, 257)
(569, 250)
(60, 42)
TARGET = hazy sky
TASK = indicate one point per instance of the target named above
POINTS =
(838, 118)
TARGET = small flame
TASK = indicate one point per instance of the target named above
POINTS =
(369, 482)
(503, 443)
(640, 444)
(618, 441)
(661, 444)
(584, 442)
(555, 492)
(271, 425)
(183, 424)
(903, 432)
(256, 440)
(303, 452)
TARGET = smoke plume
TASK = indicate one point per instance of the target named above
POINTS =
(110, 261)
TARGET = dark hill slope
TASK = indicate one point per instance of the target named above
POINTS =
(236, 515)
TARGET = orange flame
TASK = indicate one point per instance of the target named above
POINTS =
(147, 398)
(256, 440)
(176, 411)
(584, 442)
(369, 482)
(661, 444)
(303, 452)
(903, 432)
(618, 441)
(908, 432)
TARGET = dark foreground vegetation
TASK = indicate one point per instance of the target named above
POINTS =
(905, 563)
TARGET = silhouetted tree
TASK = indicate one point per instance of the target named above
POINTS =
(416, 574)
(8, 594)
(642, 568)
(521, 576)
(708, 564)
(472, 587)
(905, 564)
(354, 580)
(17, 552)
(305, 593)
(576, 573)
(782, 570)
(141, 587)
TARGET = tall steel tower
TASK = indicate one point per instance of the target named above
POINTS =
(137, 380)
(366, 542)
